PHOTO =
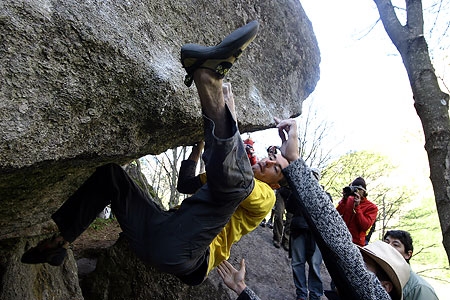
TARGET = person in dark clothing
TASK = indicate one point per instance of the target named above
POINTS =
(304, 250)
(281, 229)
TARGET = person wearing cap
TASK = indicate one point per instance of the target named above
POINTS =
(303, 249)
(358, 212)
(388, 265)
(416, 288)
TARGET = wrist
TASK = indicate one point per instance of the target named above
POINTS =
(240, 287)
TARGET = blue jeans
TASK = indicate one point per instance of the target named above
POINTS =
(300, 255)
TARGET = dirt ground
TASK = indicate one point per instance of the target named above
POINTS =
(104, 233)
(101, 234)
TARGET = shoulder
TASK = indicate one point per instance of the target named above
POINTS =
(262, 197)
(418, 288)
(367, 204)
(262, 189)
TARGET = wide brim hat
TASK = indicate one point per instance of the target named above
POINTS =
(392, 263)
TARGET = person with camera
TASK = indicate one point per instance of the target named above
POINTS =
(358, 212)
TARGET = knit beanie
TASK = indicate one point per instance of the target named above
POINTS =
(359, 182)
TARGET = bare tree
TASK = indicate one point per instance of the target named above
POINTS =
(374, 168)
(162, 171)
(430, 101)
(313, 133)
(134, 169)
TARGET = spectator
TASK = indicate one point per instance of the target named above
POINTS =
(281, 229)
(391, 270)
(358, 212)
(304, 250)
(416, 288)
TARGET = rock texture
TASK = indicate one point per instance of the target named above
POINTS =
(119, 275)
(88, 82)
(35, 282)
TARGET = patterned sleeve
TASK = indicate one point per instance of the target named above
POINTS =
(248, 294)
(342, 258)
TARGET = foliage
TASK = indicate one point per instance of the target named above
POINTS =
(100, 223)
(376, 170)
(422, 223)
(341, 172)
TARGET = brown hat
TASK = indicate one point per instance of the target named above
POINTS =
(359, 182)
(392, 263)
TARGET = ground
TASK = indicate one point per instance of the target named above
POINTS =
(268, 268)
(101, 234)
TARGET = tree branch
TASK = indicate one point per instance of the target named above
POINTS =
(391, 24)
(414, 17)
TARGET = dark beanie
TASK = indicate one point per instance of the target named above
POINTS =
(359, 182)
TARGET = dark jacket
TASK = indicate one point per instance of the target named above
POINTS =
(298, 222)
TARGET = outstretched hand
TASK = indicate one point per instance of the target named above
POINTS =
(232, 278)
(287, 130)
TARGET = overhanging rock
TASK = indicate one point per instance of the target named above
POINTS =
(87, 82)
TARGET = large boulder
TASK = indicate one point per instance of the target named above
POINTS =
(35, 282)
(87, 82)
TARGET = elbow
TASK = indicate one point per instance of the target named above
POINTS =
(184, 188)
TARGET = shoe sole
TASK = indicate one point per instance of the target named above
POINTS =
(231, 45)
(219, 58)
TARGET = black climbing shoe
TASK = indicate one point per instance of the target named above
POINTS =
(47, 251)
(217, 58)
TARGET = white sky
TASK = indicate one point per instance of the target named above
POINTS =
(363, 88)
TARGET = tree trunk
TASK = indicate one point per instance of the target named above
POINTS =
(430, 102)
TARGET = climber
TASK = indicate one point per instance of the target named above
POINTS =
(180, 242)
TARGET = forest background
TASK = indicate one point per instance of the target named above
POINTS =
(360, 121)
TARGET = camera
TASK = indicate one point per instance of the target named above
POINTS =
(349, 190)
